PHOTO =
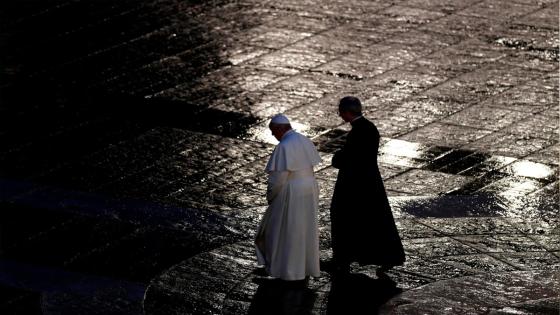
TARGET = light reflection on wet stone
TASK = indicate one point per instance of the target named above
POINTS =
(475, 295)
(453, 95)
(531, 169)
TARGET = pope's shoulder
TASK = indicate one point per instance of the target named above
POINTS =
(294, 137)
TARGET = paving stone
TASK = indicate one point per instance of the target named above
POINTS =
(537, 60)
(458, 160)
(109, 301)
(36, 160)
(548, 305)
(549, 126)
(288, 62)
(462, 25)
(436, 247)
(314, 8)
(444, 6)
(545, 17)
(531, 260)
(317, 45)
(406, 82)
(391, 170)
(62, 244)
(548, 193)
(478, 85)
(480, 296)
(179, 280)
(470, 226)
(522, 36)
(500, 243)
(20, 301)
(479, 183)
(458, 59)
(296, 91)
(413, 150)
(422, 182)
(235, 307)
(447, 135)
(536, 226)
(405, 280)
(379, 59)
(491, 166)
(513, 186)
(16, 228)
(349, 37)
(109, 164)
(499, 10)
(550, 241)
(321, 113)
(433, 268)
(525, 98)
(326, 188)
(477, 263)
(161, 108)
(395, 120)
(382, 98)
(275, 38)
(410, 228)
(411, 15)
(481, 116)
(428, 40)
(507, 144)
(329, 174)
(461, 165)
(281, 19)
(531, 170)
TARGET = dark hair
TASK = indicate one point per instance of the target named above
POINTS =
(350, 104)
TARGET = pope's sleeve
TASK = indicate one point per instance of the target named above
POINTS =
(276, 180)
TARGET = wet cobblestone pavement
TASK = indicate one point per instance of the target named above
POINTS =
(134, 135)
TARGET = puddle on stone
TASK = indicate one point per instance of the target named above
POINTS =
(448, 158)
(448, 206)
(506, 198)
(531, 169)
(491, 164)
(403, 148)
(465, 163)
(405, 153)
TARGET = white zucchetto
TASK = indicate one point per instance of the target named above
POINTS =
(280, 119)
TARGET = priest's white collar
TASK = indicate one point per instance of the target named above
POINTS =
(353, 120)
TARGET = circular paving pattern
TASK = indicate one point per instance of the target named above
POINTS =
(226, 281)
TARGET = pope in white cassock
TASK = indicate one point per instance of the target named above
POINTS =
(287, 240)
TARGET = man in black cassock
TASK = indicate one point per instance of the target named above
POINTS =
(362, 226)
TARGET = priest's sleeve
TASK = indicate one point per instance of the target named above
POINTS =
(276, 180)
(339, 159)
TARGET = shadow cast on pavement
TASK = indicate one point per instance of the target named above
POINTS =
(278, 297)
(359, 294)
